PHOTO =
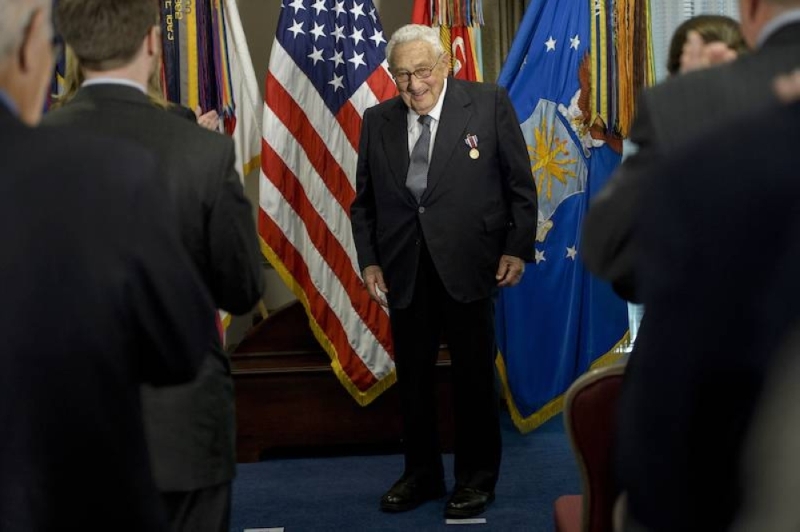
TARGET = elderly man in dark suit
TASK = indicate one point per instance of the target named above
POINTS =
(98, 297)
(190, 428)
(435, 240)
(666, 493)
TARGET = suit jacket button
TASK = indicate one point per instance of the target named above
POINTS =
(421, 210)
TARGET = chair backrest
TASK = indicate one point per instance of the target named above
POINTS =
(590, 418)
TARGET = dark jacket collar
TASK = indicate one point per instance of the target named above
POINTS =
(111, 92)
(9, 120)
(786, 35)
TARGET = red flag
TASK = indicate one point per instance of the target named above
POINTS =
(464, 65)
(421, 13)
(327, 66)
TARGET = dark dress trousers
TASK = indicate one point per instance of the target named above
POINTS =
(720, 244)
(98, 297)
(190, 428)
(439, 258)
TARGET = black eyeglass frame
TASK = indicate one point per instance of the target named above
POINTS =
(420, 73)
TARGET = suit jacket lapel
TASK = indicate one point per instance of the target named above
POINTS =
(395, 141)
(453, 122)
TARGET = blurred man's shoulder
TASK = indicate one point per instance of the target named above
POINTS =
(72, 150)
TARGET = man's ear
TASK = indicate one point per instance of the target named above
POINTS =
(28, 55)
(153, 41)
(748, 9)
(447, 60)
(749, 15)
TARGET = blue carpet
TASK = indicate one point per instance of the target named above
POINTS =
(342, 493)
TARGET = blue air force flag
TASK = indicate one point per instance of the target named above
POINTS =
(559, 320)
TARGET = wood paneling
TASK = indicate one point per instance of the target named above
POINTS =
(289, 401)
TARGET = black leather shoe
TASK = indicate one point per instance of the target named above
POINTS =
(467, 502)
(408, 493)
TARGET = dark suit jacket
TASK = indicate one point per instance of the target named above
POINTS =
(98, 296)
(680, 110)
(720, 246)
(190, 428)
(473, 210)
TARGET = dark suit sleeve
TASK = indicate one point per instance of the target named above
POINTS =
(607, 246)
(520, 190)
(182, 111)
(237, 280)
(362, 210)
(172, 312)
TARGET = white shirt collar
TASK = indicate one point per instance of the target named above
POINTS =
(435, 113)
(114, 81)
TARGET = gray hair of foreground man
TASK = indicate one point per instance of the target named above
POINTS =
(414, 32)
(14, 17)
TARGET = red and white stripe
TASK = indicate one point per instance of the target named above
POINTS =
(307, 182)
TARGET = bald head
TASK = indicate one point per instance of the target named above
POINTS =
(26, 54)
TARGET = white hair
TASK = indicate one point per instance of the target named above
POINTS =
(14, 15)
(414, 32)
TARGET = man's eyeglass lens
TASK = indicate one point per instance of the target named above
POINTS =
(420, 73)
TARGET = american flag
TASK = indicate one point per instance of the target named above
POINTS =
(326, 68)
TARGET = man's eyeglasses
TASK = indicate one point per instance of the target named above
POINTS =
(420, 73)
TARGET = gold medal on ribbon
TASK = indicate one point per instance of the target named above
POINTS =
(472, 142)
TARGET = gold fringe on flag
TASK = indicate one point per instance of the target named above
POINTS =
(456, 13)
(634, 54)
(600, 54)
(622, 52)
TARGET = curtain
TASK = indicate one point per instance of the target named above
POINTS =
(667, 15)
(502, 18)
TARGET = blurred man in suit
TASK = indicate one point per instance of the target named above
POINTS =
(678, 111)
(435, 241)
(98, 297)
(675, 114)
(770, 470)
(719, 247)
(190, 428)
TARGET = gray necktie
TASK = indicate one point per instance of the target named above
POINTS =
(417, 177)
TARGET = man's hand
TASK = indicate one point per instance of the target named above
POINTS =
(787, 87)
(209, 120)
(697, 54)
(373, 280)
(510, 270)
